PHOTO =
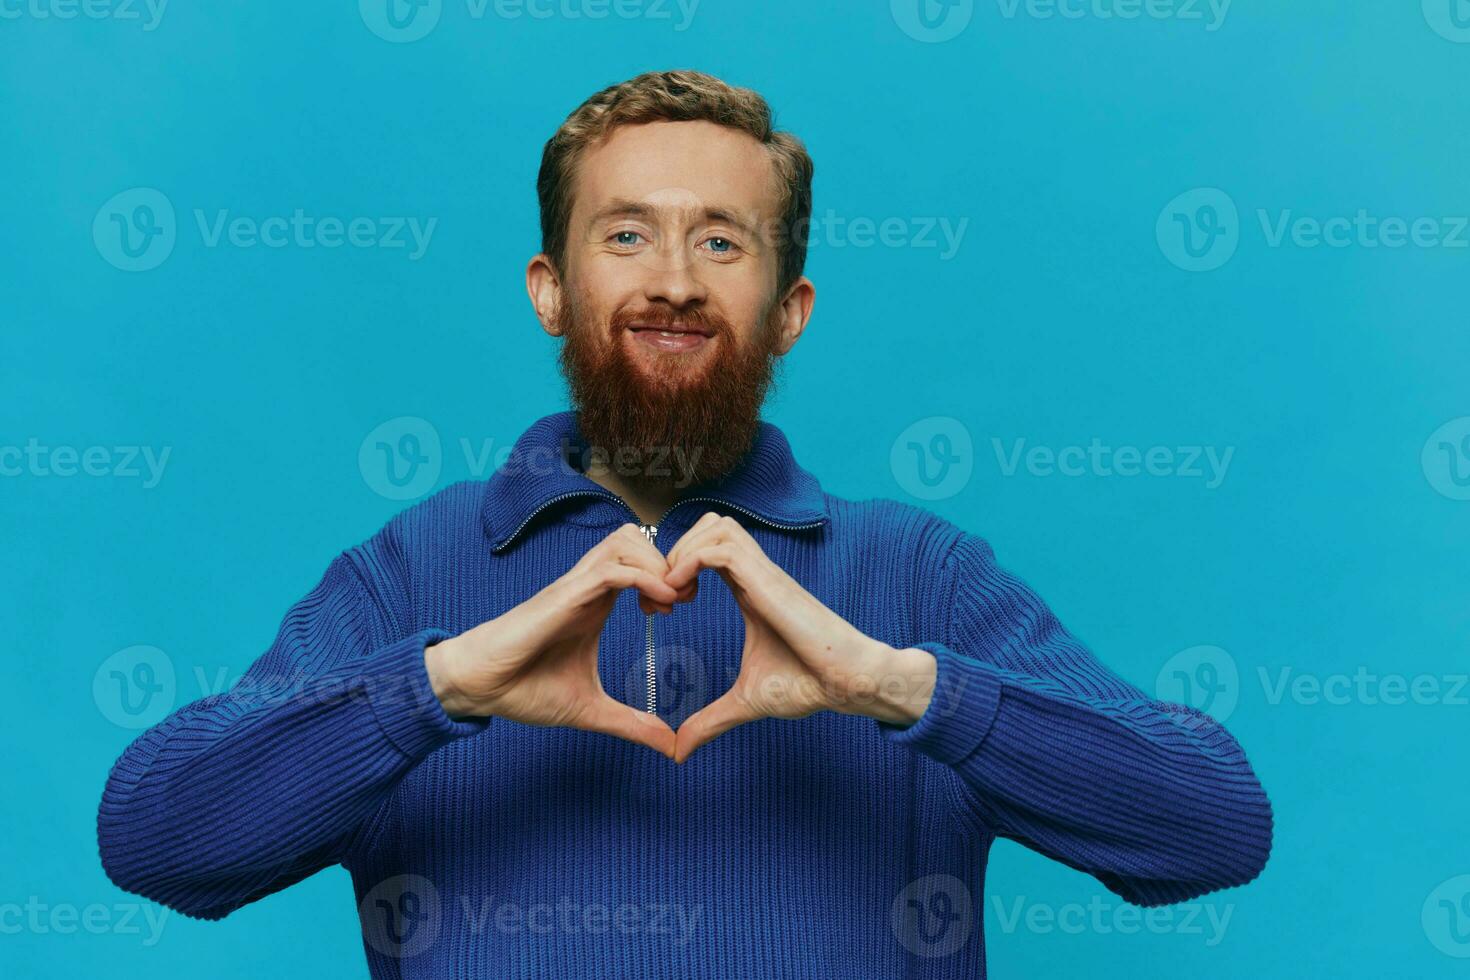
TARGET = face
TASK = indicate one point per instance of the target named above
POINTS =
(667, 301)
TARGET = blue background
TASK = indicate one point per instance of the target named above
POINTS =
(1064, 316)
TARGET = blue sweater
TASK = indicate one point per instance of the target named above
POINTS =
(835, 846)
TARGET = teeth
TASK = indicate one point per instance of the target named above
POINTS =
(667, 333)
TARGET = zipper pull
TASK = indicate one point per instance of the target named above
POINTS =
(650, 531)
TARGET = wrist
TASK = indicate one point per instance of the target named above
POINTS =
(439, 660)
(898, 684)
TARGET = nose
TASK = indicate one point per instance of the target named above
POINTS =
(672, 276)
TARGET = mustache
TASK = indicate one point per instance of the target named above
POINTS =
(667, 317)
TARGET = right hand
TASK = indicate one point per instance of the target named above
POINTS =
(537, 663)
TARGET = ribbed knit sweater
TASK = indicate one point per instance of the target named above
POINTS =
(835, 846)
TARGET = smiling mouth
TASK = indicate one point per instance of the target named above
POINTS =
(676, 339)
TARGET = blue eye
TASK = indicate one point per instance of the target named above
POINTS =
(622, 237)
(728, 245)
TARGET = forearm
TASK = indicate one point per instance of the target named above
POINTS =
(1159, 804)
(265, 786)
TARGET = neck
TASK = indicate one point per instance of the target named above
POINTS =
(649, 503)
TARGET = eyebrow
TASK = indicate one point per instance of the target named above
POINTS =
(624, 208)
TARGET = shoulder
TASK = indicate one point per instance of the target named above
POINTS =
(900, 530)
(444, 523)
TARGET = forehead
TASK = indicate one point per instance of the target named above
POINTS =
(682, 166)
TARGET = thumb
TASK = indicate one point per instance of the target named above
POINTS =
(625, 721)
(713, 720)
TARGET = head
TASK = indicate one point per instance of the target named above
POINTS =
(673, 219)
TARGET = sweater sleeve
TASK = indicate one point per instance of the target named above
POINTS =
(236, 796)
(1053, 750)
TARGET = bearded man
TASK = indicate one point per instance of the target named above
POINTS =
(494, 703)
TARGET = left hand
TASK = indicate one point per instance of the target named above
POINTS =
(799, 657)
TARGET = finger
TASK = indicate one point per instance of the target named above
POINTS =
(722, 557)
(625, 545)
(615, 577)
(710, 722)
(631, 546)
(694, 535)
(627, 722)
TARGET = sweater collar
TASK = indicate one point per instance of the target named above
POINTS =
(767, 483)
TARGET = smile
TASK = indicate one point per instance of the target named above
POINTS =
(676, 340)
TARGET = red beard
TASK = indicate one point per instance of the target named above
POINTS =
(663, 431)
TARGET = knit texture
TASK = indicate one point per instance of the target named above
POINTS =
(836, 846)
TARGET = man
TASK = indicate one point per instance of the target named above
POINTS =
(489, 711)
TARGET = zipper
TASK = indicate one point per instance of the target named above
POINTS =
(650, 531)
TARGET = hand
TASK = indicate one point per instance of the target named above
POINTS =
(537, 662)
(799, 656)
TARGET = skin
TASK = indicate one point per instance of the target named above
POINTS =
(537, 663)
(676, 254)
